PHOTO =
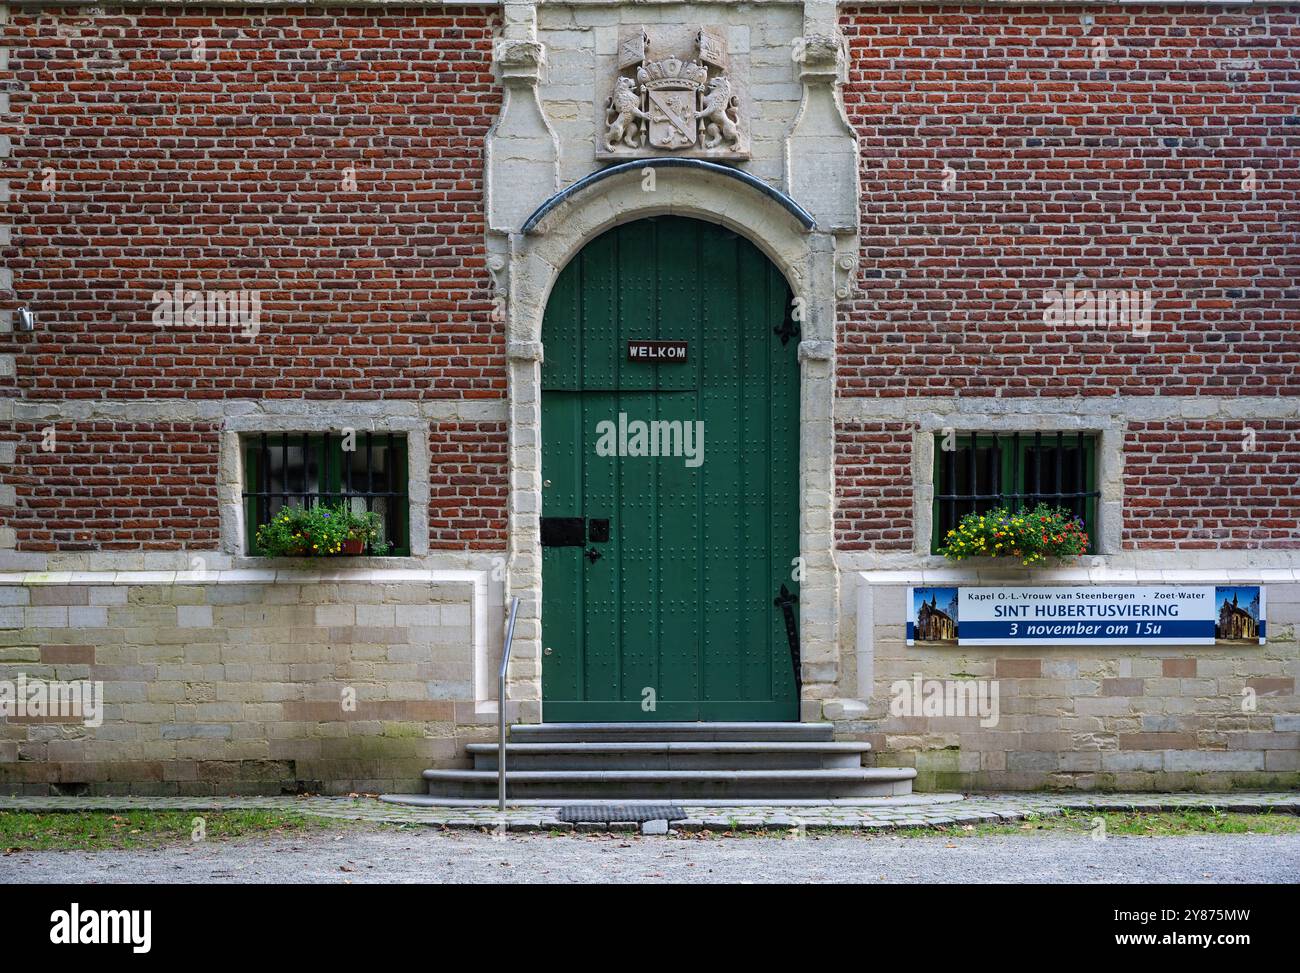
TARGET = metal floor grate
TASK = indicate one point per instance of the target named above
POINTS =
(639, 813)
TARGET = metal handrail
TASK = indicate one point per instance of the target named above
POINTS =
(501, 706)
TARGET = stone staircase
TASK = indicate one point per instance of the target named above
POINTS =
(669, 761)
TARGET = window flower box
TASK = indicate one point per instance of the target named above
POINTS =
(321, 530)
(1030, 535)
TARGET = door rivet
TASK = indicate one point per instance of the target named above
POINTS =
(546, 651)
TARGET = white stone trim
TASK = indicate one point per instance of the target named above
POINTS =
(935, 566)
(1101, 575)
(865, 642)
(268, 575)
(937, 411)
(521, 156)
(248, 410)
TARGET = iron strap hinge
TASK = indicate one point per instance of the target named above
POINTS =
(786, 602)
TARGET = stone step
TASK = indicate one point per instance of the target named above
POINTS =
(673, 755)
(772, 785)
(660, 732)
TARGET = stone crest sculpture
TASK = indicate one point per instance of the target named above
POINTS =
(671, 102)
(621, 116)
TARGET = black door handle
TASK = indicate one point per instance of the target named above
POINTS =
(592, 555)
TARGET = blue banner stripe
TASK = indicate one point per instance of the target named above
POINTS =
(1075, 628)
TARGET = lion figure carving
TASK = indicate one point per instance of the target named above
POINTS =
(719, 114)
(621, 114)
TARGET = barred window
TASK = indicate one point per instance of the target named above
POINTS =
(366, 470)
(979, 472)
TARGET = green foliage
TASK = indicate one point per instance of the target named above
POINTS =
(1031, 535)
(101, 830)
(317, 531)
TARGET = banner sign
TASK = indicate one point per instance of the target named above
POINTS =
(1087, 615)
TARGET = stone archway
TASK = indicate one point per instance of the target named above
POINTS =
(808, 259)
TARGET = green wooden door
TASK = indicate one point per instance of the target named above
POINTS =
(673, 617)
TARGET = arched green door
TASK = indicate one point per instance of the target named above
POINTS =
(670, 487)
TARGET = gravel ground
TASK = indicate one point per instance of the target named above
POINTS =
(418, 856)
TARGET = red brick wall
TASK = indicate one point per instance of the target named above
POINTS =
(227, 169)
(1131, 172)
(114, 486)
(228, 173)
(873, 475)
(1204, 485)
(469, 485)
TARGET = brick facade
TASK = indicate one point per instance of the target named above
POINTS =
(1211, 485)
(113, 486)
(330, 163)
(1130, 170)
(364, 173)
(873, 466)
(468, 493)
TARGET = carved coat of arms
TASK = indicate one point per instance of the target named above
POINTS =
(673, 105)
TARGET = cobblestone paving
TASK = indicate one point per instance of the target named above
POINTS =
(927, 811)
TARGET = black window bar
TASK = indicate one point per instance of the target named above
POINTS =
(303, 469)
(1016, 472)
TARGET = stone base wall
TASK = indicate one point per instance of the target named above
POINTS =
(1203, 718)
(222, 687)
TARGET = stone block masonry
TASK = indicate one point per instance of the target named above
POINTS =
(229, 688)
(1204, 718)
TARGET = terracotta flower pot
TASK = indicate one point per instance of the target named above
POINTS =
(354, 545)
